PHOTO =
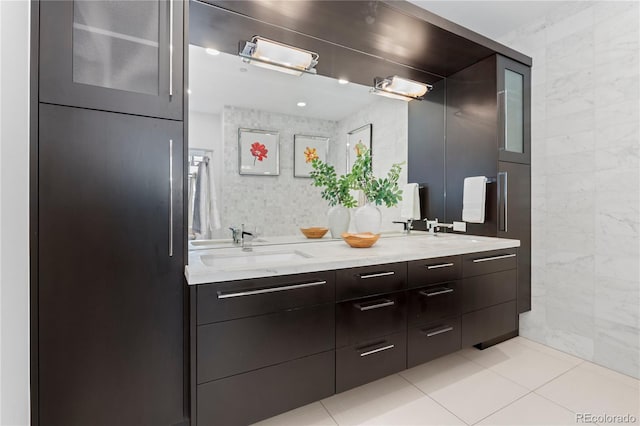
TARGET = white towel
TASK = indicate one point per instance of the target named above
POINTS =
(473, 199)
(206, 217)
(410, 208)
(214, 214)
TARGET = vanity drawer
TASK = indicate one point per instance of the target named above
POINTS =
(486, 290)
(369, 280)
(432, 271)
(431, 341)
(434, 302)
(232, 347)
(489, 261)
(362, 319)
(256, 395)
(489, 323)
(370, 360)
(238, 299)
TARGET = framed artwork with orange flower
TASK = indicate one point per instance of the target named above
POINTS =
(258, 152)
(305, 150)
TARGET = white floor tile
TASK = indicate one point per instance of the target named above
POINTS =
(375, 399)
(531, 410)
(423, 411)
(548, 350)
(622, 378)
(310, 415)
(478, 395)
(587, 389)
(522, 364)
(441, 373)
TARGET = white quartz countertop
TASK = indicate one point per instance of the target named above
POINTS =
(228, 264)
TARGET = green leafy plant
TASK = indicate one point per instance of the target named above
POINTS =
(384, 190)
(336, 189)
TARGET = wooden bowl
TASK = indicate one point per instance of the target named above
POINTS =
(315, 232)
(363, 240)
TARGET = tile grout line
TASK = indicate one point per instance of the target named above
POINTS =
(329, 413)
(427, 395)
(502, 408)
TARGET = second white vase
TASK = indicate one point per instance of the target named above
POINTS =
(339, 218)
(368, 218)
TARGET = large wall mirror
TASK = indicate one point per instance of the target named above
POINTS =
(249, 128)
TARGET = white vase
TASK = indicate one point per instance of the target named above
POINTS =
(339, 218)
(368, 218)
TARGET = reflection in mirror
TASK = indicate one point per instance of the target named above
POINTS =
(227, 94)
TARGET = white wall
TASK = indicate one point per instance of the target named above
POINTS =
(14, 212)
(389, 145)
(585, 181)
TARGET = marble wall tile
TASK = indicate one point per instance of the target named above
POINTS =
(571, 123)
(616, 300)
(586, 181)
(616, 346)
(571, 143)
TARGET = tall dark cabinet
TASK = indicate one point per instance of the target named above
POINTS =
(488, 134)
(110, 221)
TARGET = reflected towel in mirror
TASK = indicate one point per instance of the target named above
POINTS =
(206, 216)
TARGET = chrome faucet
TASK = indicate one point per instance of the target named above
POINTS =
(407, 224)
(434, 225)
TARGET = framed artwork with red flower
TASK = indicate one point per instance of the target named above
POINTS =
(305, 150)
(258, 152)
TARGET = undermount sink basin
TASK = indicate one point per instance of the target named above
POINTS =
(252, 258)
(216, 243)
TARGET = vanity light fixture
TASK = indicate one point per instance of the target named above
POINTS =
(400, 88)
(343, 81)
(302, 104)
(277, 56)
(212, 52)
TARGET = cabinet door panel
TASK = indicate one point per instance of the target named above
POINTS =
(515, 211)
(431, 341)
(364, 281)
(358, 320)
(121, 56)
(514, 111)
(110, 311)
(232, 347)
(488, 323)
(253, 396)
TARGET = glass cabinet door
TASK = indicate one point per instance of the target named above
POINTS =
(514, 104)
(113, 55)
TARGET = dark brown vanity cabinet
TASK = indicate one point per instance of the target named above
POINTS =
(371, 323)
(489, 295)
(434, 308)
(119, 56)
(488, 134)
(264, 346)
(110, 263)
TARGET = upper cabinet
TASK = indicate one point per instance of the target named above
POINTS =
(514, 111)
(120, 56)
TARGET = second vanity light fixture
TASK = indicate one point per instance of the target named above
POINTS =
(400, 88)
(278, 56)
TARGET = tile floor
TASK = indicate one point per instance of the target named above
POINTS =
(518, 382)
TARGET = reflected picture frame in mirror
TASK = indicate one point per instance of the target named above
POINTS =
(258, 152)
(306, 148)
(363, 135)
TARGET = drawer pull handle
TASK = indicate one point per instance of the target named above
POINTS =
(374, 351)
(442, 265)
(222, 295)
(436, 332)
(439, 291)
(383, 304)
(379, 274)
(487, 259)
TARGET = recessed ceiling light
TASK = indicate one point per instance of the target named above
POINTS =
(212, 52)
(343, 81)
(302, 104)
(189, 91)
